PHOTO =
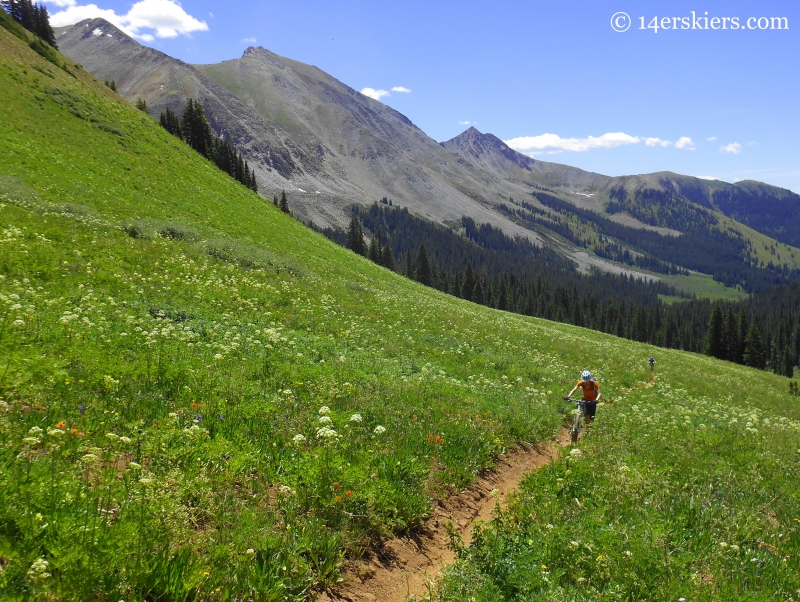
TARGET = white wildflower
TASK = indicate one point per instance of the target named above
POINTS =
(356, 418)
(324, 411)
(326, 433)
(298, 438)
(575, 452)
(379, 430)
(325, 420)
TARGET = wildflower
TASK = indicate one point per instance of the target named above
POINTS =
(337, 498)
(286, 490)
(38, 569)
(134, 465)
(575, 452)
(82, 409)
(348, 493)
(32, 440)
(325, 420)
(61, 425)
(125, 440)
(89, 459)
(379, 430)
(198, 417)
(298, 439)
(324, 411)
(112, 437)
(3, 406)
(217, 356)
(54, 432)
(34, 431)
(326, 433)
(356, 418)
(250, 551)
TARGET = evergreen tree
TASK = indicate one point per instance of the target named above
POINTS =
(196, 131)
(284, 206)
(715, 335)
(374, 253)
(501, 302)
(170, 122)
(355, 236)
(468, 283)
(422, 272)
(275, 202)
(477, 293)
(387, 260)
(743, 327)
(408, 267)
(731, 336)
(754, 353)
(33, 17)
(141, 105)
(788, 363)
(113, 85)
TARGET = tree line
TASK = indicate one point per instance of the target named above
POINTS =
(33, 17)
(192, 127)
(483, 265)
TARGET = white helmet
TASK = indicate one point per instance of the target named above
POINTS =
(586, 375)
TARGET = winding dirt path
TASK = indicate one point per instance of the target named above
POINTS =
(407, 565)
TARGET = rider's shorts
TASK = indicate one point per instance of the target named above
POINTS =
(591, 408)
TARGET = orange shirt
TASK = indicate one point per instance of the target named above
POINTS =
(590, 389)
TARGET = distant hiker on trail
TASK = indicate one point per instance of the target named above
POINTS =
(652, 362)
(591, 393)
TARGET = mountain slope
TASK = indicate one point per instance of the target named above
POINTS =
(331, 145)
(203, 399)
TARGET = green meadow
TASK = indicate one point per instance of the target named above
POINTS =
(202, 399)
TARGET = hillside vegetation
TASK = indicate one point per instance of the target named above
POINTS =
(204, 399)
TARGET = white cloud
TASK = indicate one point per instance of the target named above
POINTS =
(249, 40)
(685, 142)
(464, 123)
(712, 139)
(401, 89)
(706, 178)
(734, 148)
(165, 18)
(553, 143)
(657, 142)
(375, 94)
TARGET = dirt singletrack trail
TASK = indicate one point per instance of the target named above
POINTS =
(407, 565)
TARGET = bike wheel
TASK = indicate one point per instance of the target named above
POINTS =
(575, 430)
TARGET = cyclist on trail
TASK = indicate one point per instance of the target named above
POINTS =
(591, 393)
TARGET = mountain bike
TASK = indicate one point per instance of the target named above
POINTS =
(578, 422)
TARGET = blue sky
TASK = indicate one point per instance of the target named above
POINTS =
(554, 79)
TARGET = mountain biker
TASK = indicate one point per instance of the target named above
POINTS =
(591, 393)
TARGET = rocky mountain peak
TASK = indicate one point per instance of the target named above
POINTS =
(473, 144)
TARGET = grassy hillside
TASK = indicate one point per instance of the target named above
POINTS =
(201, 398)
(687, 489)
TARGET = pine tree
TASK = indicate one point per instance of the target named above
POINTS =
(754, 353)
(468, 283)
(408, 266)
(275, 200)
(355, 236)
(113, 85)
(387, 260)
(375, 247)
(477, 293)
(33, 17)
(196, 131)
(715, 335)
(743, 327)
(141, 105)
(284, 206)
(422, 271)
(170, 122)
(731, 336)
